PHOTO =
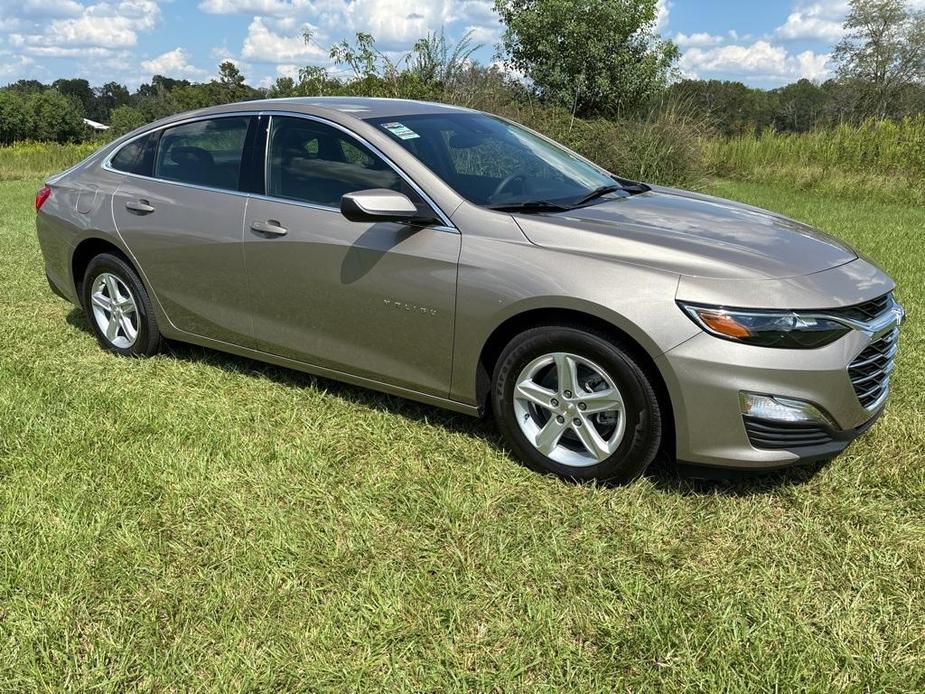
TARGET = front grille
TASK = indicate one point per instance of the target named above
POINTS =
(784, 435)
(866, 311)
(870, 371)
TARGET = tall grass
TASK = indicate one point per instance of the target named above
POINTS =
(38, 159)
(884, 158)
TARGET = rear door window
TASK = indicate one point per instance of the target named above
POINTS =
(205, 153)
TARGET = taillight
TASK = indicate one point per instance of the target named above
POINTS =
(41, 197)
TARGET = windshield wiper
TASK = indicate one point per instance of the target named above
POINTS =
(530, 206)
(598, 192)
(632, 187)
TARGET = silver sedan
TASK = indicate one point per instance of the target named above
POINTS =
(459, 259)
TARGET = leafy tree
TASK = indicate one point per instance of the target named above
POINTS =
(882, 53)
(283, 87)
(314, 81)
(105, 99)
(55, 117)
(125, 119)
(801, 107)
(436, 61)
(591, 56)
(231, 83)
(77, 89)
(160, 85)
(15, 116)
(363, 57)
(731, 108)
(27, 86)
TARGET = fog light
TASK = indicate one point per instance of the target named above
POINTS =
(780, 409)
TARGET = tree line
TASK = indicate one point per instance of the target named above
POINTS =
(590, 58)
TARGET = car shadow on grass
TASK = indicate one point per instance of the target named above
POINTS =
(665, 473)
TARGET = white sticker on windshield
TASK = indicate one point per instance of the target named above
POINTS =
(400, 130)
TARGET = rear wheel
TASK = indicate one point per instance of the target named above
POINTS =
(572, 403)
(118, 308)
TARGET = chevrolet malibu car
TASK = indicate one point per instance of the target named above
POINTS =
(462, 260)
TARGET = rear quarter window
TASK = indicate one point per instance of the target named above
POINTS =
(137, 157)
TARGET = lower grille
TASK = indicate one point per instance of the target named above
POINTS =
(784, 435)
(870, 371)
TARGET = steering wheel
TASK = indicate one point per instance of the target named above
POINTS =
(508, 180)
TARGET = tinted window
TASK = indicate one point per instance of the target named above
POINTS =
(491, 162)
(206, 152)
(316, 163)
(137, 156)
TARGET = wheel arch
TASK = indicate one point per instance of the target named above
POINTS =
(85, 251)
(576, 318)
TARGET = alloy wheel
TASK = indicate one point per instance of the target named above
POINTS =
(570, 409)
(114, 310)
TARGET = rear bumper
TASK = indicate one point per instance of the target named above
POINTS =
(56, 290)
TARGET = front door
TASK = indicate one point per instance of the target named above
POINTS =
(374, 300)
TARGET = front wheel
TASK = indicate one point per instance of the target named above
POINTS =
(572, 403)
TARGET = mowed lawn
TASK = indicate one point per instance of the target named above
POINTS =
(203, 521)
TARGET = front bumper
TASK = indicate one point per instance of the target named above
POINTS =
(705, 376)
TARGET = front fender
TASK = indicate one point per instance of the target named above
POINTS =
(500, 280)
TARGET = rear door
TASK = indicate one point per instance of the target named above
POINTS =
(181, 212)
(375, 300)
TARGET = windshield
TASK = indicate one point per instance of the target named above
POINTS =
(494, 163)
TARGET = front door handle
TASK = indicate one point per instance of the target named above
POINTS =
(270, 227)
(139, 206)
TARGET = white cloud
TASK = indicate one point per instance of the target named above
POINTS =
(699, 39)
(288, 71)
(396, 24)
(46, 8)
(103, 25)
(64, 52)
(662, 10)
(173, 63)
(13, 67)
(262, 7)
(812, 66)
(275, 31)
(821, 20)
(263, 45)
(818, 21)
(760, 60)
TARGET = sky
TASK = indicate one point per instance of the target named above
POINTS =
(762, 43)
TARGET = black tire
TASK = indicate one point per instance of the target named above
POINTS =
(148, 341)
(643, 424)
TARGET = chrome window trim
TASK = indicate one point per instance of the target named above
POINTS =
(107, 165)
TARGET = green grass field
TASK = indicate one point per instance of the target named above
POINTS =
(203, 521)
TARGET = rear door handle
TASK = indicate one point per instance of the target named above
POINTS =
(270, 227)
(139, 206)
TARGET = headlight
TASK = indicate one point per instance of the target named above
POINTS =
(782, 329)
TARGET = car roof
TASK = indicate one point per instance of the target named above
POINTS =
(350, 106)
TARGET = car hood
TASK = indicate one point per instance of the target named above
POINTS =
(691, 234)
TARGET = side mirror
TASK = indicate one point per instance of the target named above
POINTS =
(378, 205)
